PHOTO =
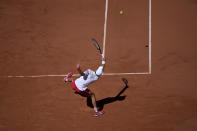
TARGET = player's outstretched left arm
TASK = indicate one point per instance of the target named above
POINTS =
(79, 70)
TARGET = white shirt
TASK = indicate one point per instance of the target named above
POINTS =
(83, 81)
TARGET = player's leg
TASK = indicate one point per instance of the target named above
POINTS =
(97, 112)
(93, 98)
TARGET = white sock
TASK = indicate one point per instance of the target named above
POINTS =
(95, 109)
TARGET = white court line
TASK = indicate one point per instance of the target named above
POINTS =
(150, 63)
(36, 76)
(105, 27)
(105, 74)
(117, 74)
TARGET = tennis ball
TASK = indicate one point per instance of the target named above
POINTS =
(121, 12)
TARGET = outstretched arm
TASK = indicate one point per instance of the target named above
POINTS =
(99, 71)
(103, 61)
(79, 70)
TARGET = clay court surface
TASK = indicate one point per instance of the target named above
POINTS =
(50, 37)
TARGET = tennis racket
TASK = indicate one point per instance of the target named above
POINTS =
(95, 43)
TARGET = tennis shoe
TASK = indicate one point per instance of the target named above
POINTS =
(98, 113)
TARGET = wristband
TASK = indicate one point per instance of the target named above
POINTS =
(103, 62)
(102, 55)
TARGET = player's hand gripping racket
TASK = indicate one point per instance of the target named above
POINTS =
(95, 43)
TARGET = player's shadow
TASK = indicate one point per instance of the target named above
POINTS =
(102, 102)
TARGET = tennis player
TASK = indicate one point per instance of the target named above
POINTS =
(80, 85)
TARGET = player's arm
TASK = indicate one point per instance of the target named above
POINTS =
(103, 61)
(79, 70)
(99, 71)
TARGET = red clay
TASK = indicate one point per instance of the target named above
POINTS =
(51, 37)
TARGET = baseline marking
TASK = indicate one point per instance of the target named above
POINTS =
(105, 74)
(36, 76)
